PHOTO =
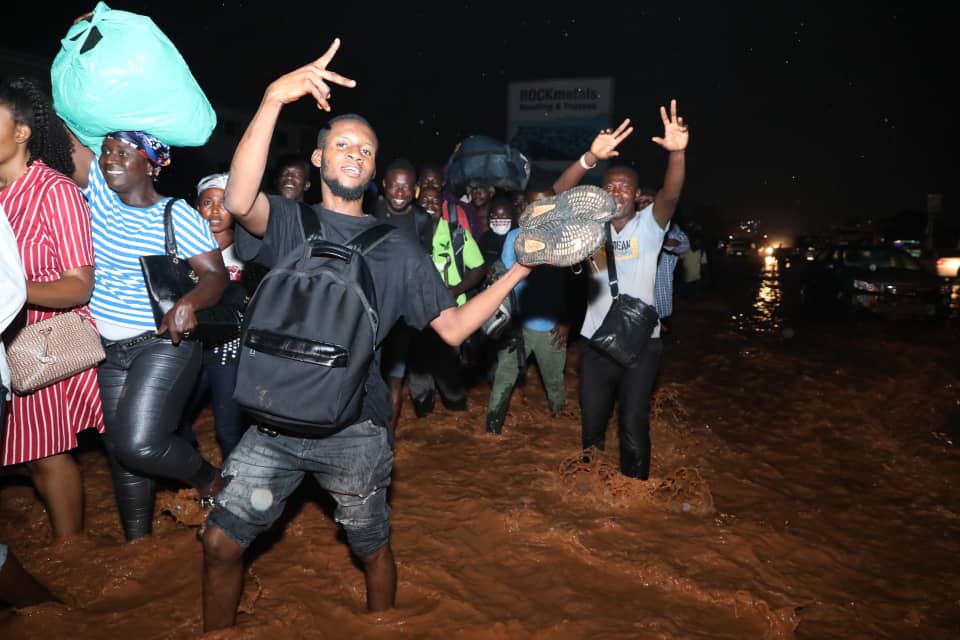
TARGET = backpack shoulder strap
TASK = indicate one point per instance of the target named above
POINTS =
(366, 240)
(421, 221)
(456, 233)
(452, 212)
(309, 220)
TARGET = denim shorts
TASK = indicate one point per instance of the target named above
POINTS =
(354, 465)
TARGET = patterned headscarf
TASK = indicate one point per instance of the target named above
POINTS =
(156, 153)
(214, 180)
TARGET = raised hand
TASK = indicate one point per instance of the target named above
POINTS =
(310, 79)
(605, 144)
(675, 134)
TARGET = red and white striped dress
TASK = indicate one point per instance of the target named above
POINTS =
(51, 221)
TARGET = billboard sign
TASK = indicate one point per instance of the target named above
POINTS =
(553, 121)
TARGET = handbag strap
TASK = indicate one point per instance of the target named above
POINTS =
(611, 264)
(169, 239)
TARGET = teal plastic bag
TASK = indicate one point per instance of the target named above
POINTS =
(117, 71)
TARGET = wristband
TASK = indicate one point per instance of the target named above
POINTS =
(583, 163)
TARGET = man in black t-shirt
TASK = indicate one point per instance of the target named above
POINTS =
(356, 463)
(398, 208)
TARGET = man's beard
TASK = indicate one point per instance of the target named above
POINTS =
(338, 189)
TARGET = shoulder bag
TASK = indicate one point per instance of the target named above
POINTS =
(627, 327)
(46, 352)
(169, 277)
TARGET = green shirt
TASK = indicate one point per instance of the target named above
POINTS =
(443, 256)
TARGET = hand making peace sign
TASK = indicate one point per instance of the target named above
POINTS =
(605, 144)
(310, 79)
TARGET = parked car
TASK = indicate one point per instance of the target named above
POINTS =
(741, 248)
(913, 247)
(948, 263)
(943, 262)
(884, 280)
(787, 254)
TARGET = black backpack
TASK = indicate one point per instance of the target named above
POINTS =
(309, 335)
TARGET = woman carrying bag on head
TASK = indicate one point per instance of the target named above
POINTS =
(51, 222)
(150, 371)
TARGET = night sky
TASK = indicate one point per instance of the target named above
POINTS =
(800, 114)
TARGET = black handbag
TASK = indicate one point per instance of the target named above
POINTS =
(169, 277)
(629, 323)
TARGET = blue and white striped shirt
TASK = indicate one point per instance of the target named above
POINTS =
(121, 234)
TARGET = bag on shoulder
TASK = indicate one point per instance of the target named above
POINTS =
(629, 323)
(309, 335)
(626, 329)
(168, 277)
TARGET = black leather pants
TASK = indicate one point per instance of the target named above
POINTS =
(144, 385)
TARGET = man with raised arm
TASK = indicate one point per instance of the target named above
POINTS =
(354, 464)
(636, 236)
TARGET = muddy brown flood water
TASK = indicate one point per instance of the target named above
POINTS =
(801, 488)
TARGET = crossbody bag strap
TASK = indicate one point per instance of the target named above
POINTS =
(457, 239)
(611, 264)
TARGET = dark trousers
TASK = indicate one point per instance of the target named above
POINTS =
(602, 383)
(432, 361)
(218, 380)
(144, 385)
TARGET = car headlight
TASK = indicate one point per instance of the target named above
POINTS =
(863, 285)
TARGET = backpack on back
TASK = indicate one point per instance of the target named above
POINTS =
(309, 335)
